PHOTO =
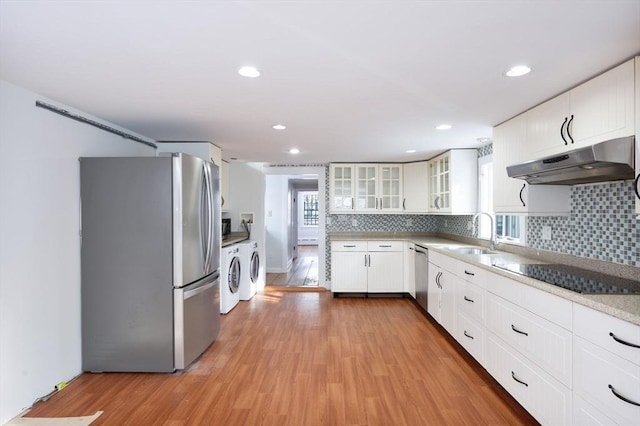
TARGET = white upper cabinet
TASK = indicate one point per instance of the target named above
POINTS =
(378, 187)
(515, 196)
(415, 187)
(341, 187)
(603, 108)
(453, 182)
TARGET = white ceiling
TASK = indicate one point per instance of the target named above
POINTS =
(351, 80)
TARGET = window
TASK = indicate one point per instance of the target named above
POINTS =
(310, 209)
(510, 228)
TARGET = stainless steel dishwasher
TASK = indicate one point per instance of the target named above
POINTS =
(421, 269)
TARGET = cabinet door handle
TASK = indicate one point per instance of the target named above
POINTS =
(522, 189)
(469, 273)
(518, 331)
(617, 339)
(438, 279)
(436, 202)
(468, 335)
(404, 201)
(468, 300)
(221, 201)
(369, 257)
(628, 401)
(513, 375)
(636, 186)
(365, 261)
(569, 129)
(562, 130)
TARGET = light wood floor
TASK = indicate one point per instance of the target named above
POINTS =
(303, 271)
(306, 359)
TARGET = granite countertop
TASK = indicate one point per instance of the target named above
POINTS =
(625, 307)
(235, 237)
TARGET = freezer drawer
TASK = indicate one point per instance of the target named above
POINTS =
(197, 319)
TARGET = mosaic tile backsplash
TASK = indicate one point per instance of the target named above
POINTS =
(602, 225)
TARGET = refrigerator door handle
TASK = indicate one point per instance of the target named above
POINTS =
(210, 216)
(206, 231)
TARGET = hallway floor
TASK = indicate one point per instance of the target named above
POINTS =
(303, 271)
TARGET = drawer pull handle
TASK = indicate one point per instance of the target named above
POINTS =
(384, 245)
(513, 375)
(348, 246)
(469, 273)
(513, 327)
(467, 299)
(469, 336)
(613, 391)
(613, 336)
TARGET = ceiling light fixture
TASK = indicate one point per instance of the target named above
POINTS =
(443, 127)
(518, 71)
(279, 127)
(410, 151)
(294, 151)
(250, 72)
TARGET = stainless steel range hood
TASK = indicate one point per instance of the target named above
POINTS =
(606, 161)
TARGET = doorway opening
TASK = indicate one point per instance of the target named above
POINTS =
(295, 219)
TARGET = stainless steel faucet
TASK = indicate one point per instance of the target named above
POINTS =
(492, 237)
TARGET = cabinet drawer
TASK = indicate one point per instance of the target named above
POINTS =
(348, 246)
(470, 300)
(471, 273)
(540, 394)
(585, 414)
(554, 308)
(470, 335)
(600, 328)
(595, 370)
(543, 342)
(385, 245)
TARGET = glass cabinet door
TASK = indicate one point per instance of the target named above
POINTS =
(391, 187)
(342, 185)
(434, 190)
(366, 184)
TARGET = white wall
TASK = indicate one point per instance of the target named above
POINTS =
(39, 243)
(276, 217)
(247, 195)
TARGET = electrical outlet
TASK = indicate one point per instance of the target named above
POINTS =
(409, 223)
(546, 232)
(354, 222)
(328, 221)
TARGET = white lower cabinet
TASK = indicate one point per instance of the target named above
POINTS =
(608, 382)
(606, 368)
(367, 267)
(470, 334)
(548, 400)
(441, 297)
(542, 341)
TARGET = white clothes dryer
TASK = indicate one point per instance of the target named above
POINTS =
(230, 278)
(250, 258)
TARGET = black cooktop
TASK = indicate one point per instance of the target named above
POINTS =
(575, 279)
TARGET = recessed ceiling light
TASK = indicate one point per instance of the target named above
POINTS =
(249, 72)
(410, 151)
(517, 71)
(443, 127)
(294, 151)
(279, 127)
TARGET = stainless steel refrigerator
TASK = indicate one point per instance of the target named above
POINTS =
(150, 261)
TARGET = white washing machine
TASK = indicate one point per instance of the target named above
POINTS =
(250, 259)
(230, 278)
